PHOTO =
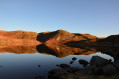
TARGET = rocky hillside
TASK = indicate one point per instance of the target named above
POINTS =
(89, 37)
(19, 34)
(17, 38)
(55, 37)
(62, 36)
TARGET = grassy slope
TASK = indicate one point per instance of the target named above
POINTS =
(19, 38)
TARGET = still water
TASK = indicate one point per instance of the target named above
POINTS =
(30, 65)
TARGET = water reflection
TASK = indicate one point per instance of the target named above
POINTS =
(58, 51)
(29, 62)
(19, 49)
(63, 50)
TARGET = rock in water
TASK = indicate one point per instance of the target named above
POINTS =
(71, 62)
(83, 62)
(74, 58)
(64, 66)
(98, 61)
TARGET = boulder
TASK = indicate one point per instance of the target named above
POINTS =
(98, 61)
(74, 58)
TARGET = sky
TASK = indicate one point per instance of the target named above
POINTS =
(97, 17)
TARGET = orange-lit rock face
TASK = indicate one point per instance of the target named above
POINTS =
(19, 34)
(88, 37)
(19, 38)
(32, 38)
(62, 36)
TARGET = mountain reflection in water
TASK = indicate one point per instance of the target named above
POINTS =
(28, 62)
(58, 51)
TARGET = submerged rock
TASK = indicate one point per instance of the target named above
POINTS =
(63, 66)
(39, 65)
(71, 62)
(83, 62)
(74, 58)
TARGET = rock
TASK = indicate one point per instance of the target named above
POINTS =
(74, 58)
(39, 65)
(57, 65)
(98, 61)
(83, 62)
(116, 64)
(64, 66)
(109, 69)
(71, 62)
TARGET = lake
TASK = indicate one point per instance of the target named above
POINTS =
(30, 62)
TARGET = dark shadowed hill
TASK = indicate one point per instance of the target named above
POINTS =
(111, 39)
(89, 37)
(44, 36)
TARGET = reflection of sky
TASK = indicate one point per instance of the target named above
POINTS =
(25, 66)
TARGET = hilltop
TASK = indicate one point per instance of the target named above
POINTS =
(62, 36)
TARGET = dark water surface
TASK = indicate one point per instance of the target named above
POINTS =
(31, 65)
